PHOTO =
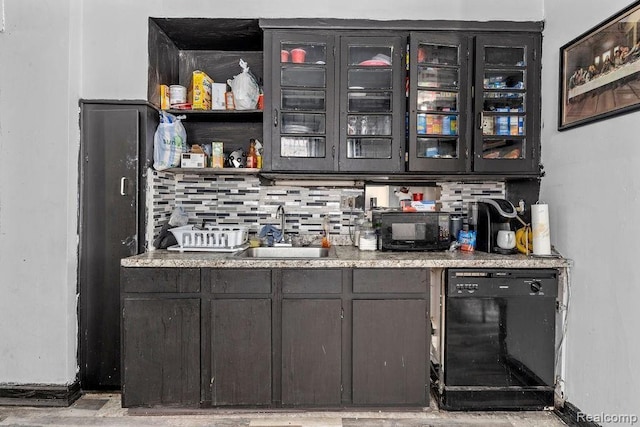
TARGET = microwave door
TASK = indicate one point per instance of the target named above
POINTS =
(403, 231)
(408, 231)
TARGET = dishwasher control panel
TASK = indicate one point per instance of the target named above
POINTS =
(502, 282)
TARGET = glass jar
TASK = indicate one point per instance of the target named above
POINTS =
(368, 239)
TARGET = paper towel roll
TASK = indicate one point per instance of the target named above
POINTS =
(540, 229)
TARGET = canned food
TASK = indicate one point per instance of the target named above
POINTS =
(177, 94)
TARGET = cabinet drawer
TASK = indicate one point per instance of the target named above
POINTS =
(396, 280)
(312, 281)
(160, 279)
(241, 281)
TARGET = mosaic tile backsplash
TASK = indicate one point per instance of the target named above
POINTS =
(241, 200)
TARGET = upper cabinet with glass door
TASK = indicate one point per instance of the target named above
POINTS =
(372, 104)
(438, 102)
(302, 110)
(507, 99)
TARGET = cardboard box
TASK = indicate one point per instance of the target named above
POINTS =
(164, 97)
(193, 160)
(218, 91)
(423, 206)
(217, 155)
(199, 93)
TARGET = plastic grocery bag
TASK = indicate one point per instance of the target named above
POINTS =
(245, 89)
(169, 142)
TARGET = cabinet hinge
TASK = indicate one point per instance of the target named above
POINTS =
(341, 389)
(342, 313)
(473, 92)
(535, 54)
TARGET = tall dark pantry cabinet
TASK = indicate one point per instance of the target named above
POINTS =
(115, 149)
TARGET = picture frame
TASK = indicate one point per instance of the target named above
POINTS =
(600, 71)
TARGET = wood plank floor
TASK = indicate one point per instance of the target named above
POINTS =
(99, 409)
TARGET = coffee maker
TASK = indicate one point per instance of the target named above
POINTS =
(492, 215)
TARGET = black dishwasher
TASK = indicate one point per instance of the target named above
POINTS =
(499, 339)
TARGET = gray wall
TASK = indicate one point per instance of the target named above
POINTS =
(593, 189)
(39, 89)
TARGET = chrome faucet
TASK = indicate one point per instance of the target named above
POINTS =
(280, 213)
(285, 241)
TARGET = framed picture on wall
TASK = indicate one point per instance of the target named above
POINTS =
(600, 71)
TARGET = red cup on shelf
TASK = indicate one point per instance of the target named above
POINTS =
(298, 55)
(284, 56)
(417, 197)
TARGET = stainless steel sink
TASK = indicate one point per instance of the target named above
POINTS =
(287, 252)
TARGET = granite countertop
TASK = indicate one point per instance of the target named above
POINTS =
(347, 257)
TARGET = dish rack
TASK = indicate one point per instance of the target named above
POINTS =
(213, 238)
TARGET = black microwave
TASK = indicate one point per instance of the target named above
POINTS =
(412, 231)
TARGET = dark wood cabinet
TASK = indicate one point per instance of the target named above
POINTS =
(507, 103)
(336, 101)
(311, 351)
(316, 337)
(390, 336)
(300, 107)
(115, 150)
(161, 357)
(474, 102)
(239, 336)
(440, 117)
(390, 353)
(311, 348)
(241, 351)
(180, 46)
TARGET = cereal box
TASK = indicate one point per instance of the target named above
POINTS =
(200, 91)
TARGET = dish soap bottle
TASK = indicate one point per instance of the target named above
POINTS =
(325, 232)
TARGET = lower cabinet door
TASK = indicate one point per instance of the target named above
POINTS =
(390, 353)
(241, 352)
(161, 363)
(311, 352)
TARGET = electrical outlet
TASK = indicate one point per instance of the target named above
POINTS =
(347, 202)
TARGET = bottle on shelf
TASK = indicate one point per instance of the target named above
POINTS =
(229, 100)
(252, 157)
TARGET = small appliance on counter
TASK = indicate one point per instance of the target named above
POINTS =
(412, 231)
(493, 215)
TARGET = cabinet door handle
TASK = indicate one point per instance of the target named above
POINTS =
(275, 117)
(480, 120)
(333, 151)
(123, 182)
